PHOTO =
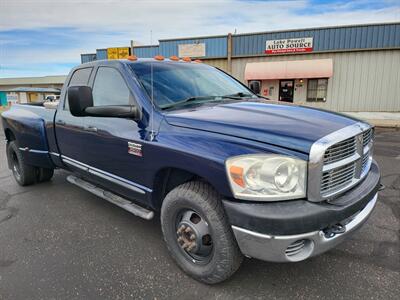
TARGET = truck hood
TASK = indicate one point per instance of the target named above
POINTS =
(289, 126)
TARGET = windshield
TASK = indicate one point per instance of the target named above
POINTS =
(174, 83)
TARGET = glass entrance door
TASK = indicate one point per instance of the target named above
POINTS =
(286, 89)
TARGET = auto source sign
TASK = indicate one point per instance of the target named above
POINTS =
(289, 46)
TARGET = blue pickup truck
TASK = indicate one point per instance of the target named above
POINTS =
(230, 173)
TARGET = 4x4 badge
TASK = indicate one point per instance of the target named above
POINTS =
(135, 149)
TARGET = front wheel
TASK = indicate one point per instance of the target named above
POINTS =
(197, 233)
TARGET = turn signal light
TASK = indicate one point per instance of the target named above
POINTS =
(159, 57)
(174, 58)
(187, 59)
(237, 175)
(132, 57)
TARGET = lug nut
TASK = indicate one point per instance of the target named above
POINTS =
(192, 237)
(181, 229)
(191, 247)
(187, 230)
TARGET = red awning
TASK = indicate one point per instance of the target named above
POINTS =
(313, 68)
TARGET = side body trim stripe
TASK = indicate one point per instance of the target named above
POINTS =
(105, 175)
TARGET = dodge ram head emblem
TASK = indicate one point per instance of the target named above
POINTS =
(135, 149)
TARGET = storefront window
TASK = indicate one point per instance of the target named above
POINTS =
(255, 86)
(317, 89)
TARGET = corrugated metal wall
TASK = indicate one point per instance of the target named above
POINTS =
(361, 81)
(85, 58)
(325, 39)
(215, 46)
(101, 54)
(373, 36)
(146, 51)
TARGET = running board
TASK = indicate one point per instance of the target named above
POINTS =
(111, 197)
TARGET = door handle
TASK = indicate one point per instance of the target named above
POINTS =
(60, 122)
(90, 128)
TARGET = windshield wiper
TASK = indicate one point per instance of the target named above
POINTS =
(185, 101)
(237, 96)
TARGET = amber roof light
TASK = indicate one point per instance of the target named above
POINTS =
(159, 57)
(132, 57)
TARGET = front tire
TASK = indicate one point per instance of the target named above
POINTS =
(24, 174)
(197, 233)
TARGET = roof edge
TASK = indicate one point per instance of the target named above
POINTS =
(316, 28)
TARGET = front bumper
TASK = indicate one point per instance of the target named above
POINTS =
(295, 230)
(290, 248)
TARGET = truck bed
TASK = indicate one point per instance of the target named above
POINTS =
(33, 127)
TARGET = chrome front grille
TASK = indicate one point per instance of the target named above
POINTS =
(340, 150)
(367, 136)
(339, 161)
(335, 179)
(365, 161)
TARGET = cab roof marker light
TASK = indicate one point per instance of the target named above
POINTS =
(199, 61)
(132, 57)
(174, 58)
(187, 59)
(159, 57)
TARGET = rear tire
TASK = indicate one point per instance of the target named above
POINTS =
(24, 174)
(44, 174)
(198, 206)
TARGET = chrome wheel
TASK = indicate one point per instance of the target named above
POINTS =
(194, 237)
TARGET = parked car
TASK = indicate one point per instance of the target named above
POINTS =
(230, 173)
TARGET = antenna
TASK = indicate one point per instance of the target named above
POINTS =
(152, 94)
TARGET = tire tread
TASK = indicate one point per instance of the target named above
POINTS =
(209, 200)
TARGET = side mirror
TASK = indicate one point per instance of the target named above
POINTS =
(114, 111)
(79, 98)
(80, 102)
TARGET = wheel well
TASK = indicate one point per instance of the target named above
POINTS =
(166, 180)
(9, 135)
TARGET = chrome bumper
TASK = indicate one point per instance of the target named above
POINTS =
(291, 248)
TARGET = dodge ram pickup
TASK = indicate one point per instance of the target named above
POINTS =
(230, 173)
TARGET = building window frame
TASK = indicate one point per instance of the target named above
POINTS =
(317, 89)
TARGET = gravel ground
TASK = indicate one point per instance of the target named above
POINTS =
(60, 242)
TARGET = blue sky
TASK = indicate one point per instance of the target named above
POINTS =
(46, 37)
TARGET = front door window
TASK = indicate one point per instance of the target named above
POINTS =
(286, 88)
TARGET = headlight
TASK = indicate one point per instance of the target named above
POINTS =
(267, 177)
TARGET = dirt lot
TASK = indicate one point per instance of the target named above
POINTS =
(60, 242)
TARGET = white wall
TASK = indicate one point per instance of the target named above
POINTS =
(361, 81)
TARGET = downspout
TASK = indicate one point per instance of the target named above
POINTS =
(229, 53)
